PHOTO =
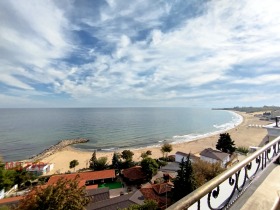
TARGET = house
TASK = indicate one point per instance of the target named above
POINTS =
(40, 168)
(181, 155)
(86, 178)
(158, 193)
(162, 188)
(134, 174)
(215, 156)
(99, 194)
(118, 202)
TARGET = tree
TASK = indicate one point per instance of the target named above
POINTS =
(225, 143)
(149, 166)
(116, 161)
(127, 155)
(7, 179)
(148, 205)
(146, 154)
(73, 164)
(149, 152)
(93, 160)
(24, 177)
(165, 149)
(205, 171)
(64, 195)
(185, 182)
(101, 164)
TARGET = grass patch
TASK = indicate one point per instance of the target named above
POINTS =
(243, 150)
(111, 185)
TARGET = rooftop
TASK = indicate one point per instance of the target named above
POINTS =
(214, 154)
(134, 173)
(93, 175)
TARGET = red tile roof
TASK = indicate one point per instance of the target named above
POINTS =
(149, 194)
(162, 188)
(10, 200)
(93, 175)
(134, 173)
(90, 187)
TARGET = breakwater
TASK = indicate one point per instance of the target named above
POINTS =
(57, 147)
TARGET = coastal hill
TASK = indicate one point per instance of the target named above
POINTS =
(251, 109)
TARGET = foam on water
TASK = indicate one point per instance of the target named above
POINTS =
(236, 120)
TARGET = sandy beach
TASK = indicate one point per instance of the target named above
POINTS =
(243, 135)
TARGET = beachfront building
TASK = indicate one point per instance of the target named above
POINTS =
(215, 156)
(273, 130)
(40, 168)
(181, 155)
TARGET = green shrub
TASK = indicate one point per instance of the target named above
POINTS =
(243, 150)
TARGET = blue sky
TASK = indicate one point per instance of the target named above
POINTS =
(120, 53)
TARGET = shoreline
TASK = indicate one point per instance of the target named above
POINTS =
(242, 134)
(172, 140)
(56, 148)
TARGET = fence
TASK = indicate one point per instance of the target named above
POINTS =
(223, 190)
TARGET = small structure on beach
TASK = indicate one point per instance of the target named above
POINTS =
(40, 168)
(215, 156)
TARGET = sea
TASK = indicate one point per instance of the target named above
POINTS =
(27, 132)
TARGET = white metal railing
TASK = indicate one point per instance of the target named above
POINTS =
(223, 190)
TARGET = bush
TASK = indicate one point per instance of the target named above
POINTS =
(243, 150)
(161, 163)
(163, 158)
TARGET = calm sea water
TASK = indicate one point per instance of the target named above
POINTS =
(26, 132)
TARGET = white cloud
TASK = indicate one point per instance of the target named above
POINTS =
(31, 37)
(137, 54)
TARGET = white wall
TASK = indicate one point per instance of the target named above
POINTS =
(209, 160)
(2, 194)
(178, 158)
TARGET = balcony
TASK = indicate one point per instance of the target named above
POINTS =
(251, 184)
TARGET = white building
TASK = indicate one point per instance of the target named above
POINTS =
(181, 155)
(215, 156)
(273, 130)
(40, 168)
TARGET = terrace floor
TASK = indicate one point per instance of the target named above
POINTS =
(263, 193)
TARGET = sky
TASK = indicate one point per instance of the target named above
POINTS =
(140, 53)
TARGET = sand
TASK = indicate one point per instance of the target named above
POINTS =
(243, 135)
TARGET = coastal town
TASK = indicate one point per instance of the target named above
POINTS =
(135, 177)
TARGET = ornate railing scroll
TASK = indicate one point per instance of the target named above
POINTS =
(223, 190)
